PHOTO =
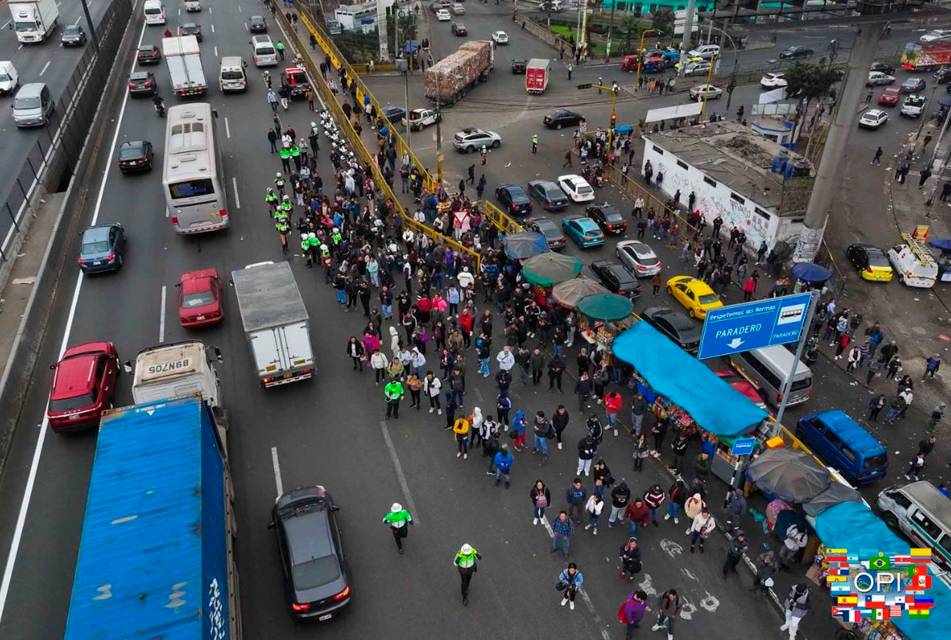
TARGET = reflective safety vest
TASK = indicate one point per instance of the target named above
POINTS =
(304, 244)
(281, 215)
(285, 153)
(325, 251)
(286, 207)
(295, 151)
(535, 139)
(337, 238)
(270, 198)
(393, 390)
(398, 519)
(279, 46)
(281, 226)
(279, 183)
(466, 561)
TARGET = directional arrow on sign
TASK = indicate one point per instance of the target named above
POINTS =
(736, 342)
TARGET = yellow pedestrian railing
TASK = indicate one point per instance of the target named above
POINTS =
(633, 190)
(500, 219)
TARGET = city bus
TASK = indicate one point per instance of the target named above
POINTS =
(193, 175)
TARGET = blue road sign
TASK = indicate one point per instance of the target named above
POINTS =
(743, 446)
(741, 327)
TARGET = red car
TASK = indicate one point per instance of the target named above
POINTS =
(742, 385)
(889, 97)
(630, 62)
(199, 298)
(83, 384)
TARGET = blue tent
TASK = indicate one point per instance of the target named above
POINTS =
(673, 373)
(853, 526)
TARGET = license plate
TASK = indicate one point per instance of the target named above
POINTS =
(97, 263)
(216, 214)
(288, 375)
(326, 617)
(200, 318)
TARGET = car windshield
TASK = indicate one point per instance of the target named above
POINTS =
(877, 259)
(647, 261)
(191, 188)
(709, 298)
(148, 50)
(4, 77)
(71, 30)
(801, 385)
(613, 217)
(199, 299)
(874, 462)
(25, 26)
(26, 103)
(584, 190)
(72, 404)
(99, 246)
(316, 572)
(298, 77)
(130, 153)
(232, 75)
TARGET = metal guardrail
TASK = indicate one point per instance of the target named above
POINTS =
(504, 222)
(62, 137)
(633, 190)
(345, 125)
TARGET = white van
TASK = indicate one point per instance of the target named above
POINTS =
(263, 52)
(913, 263)
(768, 368)
(706, 51)
(231, 76)
(154, 12)
(9, 79)
(923, 515)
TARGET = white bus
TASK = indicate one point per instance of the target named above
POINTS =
(193, 174)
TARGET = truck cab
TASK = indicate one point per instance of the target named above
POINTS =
(174, 370)
(34, 20)
(419, 119)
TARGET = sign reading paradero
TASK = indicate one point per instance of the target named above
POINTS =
(753, 325)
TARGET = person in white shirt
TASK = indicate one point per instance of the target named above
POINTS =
(701, 528)
(465, 278)
(505, 359)
(593, 507)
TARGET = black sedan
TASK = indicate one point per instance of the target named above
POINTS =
(257, 24)
(562, 118)
(519, 66)
(73, 36)
(394, 114)
(913, 85)
(135, 156)
(142, 83)
(513, 199)
(884, 68)
(548, 194)
(190, 29)
(459, 29)
(676, 326)
(616, 278)
(608, 218)
(316, 577)
(796, 51)
(552, 232)
(148, 54)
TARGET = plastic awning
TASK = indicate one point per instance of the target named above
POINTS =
(673, 113)
(673, 373)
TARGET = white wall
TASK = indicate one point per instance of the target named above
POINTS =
(717, 200)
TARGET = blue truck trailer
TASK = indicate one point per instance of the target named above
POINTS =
(156, 558)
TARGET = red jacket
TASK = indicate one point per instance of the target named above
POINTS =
(641, 515)
(465, 321)
(612, 402)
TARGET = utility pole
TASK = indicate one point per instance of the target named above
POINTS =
(381, 30)
(835, 155)
(438, 127)
(688, 32)
(607, 51)
(89, 23)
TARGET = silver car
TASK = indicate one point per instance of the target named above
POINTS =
(471, 140)
(639, 258)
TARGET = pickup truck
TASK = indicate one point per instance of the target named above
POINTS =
(419, 119)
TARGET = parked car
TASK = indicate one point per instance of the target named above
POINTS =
(316, 575)
(549, 228)
(873, 119)
(548, 194)
(616, 278)
(84, 382)
(913, 85)
(393, 114)
(796, 51)
(584, 231)
(142, 83)
(773, 81)
(102, 248)
(135, 156)
(877, 78)
(695, 295)
(500, 37)
(608, 218)
(576, 188)
(562, 118)
(513, 199)
(470, 140)
(871, 262)
(148, 54)
(914, 105)
(519, 66)
(419, 119)
(73, 36)
(942, 75)
(199, 298)
(675, 325)
(712, 92)
(638, 257)
(190, 29)
(742, 385)
(257, 24)
(459, 29)
(890, 97)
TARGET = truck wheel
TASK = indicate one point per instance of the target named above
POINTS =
(495, 145)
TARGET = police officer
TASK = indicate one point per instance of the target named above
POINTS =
(280, 49)
(295, 155)
(285, 153)
(400, 521)
(280, 223)
(465, 561)
(393, 392)
(286, 207)
(314, 245)
(279, 182)
(270, 198)
(305, 248)
(534, 143)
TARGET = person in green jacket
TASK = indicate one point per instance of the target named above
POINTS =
(465, 561)
(393, 392)
(400, 521)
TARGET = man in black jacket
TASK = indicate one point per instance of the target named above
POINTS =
(735, 553)
(620, 495)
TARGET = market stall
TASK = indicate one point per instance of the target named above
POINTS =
(568, 293)
(521, 246)
(550, 268)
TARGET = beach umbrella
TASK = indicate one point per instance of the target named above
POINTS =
(606, 306)
(548, 269)
(520, 246)
(568, 293)
(790, 474)
(810, 272)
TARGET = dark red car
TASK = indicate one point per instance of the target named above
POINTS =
(83, 384)
(742, 385)
(199, 298)
(630, 62)
(890, 97)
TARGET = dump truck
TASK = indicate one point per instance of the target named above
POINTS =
(156, 556)
(184, 65)
(537, 74)
(276, 323)
(451, 78)
(33, 20)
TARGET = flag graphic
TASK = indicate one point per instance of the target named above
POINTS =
(918, 614)
(844, 601)
(921, 553)
(879, 564)
(894, 612)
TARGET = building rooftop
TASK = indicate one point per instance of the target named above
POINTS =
(742, 160)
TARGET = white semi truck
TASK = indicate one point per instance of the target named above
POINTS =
(34, 20)
(184, 65)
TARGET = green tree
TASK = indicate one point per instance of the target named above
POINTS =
(663, 20)
(810, 81)
(628, 26)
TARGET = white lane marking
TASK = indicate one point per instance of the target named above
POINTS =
(399, 473)
(237, 199)
(161, 323)
(584, 594)
(247, 28)
(216, 51)
(44, 427)
(179, 12)
(277, 472)
(240, 10)
(212, 28)
(210, 11)
(709, 602)
(671, 548)
(45, 67)
(77, 20)
(5, 24)
(20, 47)
(647, 586)
(227, 128)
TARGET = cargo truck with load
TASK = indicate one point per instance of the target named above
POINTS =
(451, 78)
(537, 74)
(925, 57)
(184, 65)
(156, 555)
(275, 321)
(33, 20)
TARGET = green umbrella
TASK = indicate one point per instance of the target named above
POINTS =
(549, 269)
(606, 306)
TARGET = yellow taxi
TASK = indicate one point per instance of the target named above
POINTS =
(688, 60)
(870, 261)
(695, 295)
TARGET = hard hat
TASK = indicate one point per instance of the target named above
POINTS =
(287, 197)
(323, 247)
(313, 124)
(336, 230)
(396, 508)
(483, 147)
(768, 582)
(279, 175)
(270, 190)
(466, 549)
(313, 236)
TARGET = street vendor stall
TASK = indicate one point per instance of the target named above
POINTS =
(568, 293)
(521, 246)
(549, 269)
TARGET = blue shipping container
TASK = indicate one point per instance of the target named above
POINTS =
(153, 559)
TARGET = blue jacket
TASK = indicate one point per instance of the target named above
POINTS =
(563, 577)
(575, 496)
(503, 463)
(518, 424)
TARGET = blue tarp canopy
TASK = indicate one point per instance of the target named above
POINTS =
(673, 373)
(853, 526)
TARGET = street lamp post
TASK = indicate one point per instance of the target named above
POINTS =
(729, 91)
(640, 54)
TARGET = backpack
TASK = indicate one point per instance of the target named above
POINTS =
(622, 612)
